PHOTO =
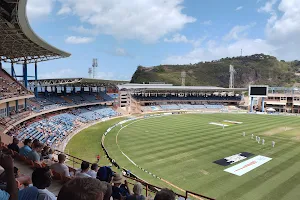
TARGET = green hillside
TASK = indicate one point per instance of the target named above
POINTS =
(255, 69)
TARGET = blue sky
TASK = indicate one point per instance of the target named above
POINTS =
(123, 34)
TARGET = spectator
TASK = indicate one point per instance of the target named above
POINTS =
(21, 179)
(35, 142)
(119, 190)
(137, 192)
(11, 192)
(34, 154)
(14, 145)
(41, 178)
(45, 152)
(24, 151)
(83, 189)
(60, 167)
(29, 193)
(165, 194)
(83, 170)
(93, 171)
(51, 154)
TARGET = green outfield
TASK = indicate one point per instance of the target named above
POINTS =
(182, 148)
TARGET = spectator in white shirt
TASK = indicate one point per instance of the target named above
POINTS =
(41, 178)
(83, 170)
(60, 167)
(93, 171)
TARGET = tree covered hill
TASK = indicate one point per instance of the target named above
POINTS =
(255, 69)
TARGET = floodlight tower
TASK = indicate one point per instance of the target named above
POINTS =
(90, 72)
(95, 65)
(183, 76)
(231, 79)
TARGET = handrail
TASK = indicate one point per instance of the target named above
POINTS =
(148, 187)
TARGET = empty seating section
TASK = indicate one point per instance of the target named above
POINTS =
(94, 113)
(151, 108)
(170, 107)
(105, 96)
(187, 98)
(113, 95)
(182, 107)
(53, 130)
(52, 101)
(9, 87)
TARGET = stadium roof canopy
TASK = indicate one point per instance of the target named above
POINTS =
(77, 82)
(168, 87)
(18, 42)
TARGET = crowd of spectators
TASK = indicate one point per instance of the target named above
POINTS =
(87, 183)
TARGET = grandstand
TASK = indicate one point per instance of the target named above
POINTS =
(157, 97)
(48, 110)
(51, 110)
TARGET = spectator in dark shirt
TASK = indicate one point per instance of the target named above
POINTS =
(14, 146)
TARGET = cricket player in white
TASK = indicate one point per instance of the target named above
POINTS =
(223, 126)
(244, 134)
(252, 136)
(263, 141)
(273, 144)
(258, 140)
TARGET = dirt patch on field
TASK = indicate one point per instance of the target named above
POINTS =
(204, 172)
(297, 138)
(277, 130)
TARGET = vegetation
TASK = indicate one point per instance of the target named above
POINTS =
(255, 69)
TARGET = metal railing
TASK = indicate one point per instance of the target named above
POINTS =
(75, 162)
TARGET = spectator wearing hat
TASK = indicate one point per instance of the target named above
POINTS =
(120, 190)
(137, 192)
(24, 151)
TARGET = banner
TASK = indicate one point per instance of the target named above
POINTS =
(233, 159)
(248, 165)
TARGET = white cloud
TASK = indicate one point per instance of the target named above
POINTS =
(37, 9)
(239, 8)
(140, 19)
(268, 7)
(63, 73)
(112, 76)
(83, 30)
(64, 10)
(214, 51)
(207, 22)
(178, 38)
(238, 31)
(281, 39)
(284, 31)
(78, 40)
